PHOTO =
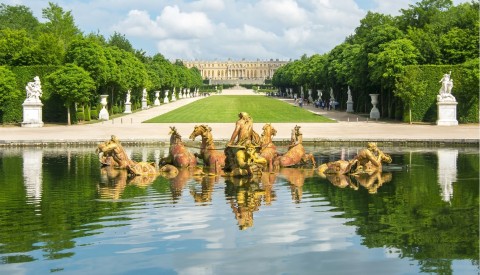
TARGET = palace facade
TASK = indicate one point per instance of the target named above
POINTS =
(236, 72)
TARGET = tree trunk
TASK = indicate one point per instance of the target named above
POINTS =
(410, 114)
(68, 116)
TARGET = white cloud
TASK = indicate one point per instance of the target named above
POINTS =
(171, 23)
(213, 5)
(184, 24)
(287, 12)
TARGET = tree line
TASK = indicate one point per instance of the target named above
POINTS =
(384, 53)
(76, 68)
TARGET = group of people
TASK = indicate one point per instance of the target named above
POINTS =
(330, 104)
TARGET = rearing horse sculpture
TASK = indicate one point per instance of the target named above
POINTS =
(212, 158)
(178, 154)
(268, 150)
(295, 156)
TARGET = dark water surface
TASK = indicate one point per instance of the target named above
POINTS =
(60, 212)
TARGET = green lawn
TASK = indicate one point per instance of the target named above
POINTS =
(225, 109)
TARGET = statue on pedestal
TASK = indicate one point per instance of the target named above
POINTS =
(32, 106)
(242, 151)
(445, 93)
(34, 90)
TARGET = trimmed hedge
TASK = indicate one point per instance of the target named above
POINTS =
(465, 89)
(53, 110)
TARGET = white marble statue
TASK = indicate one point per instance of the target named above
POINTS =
(332, 97)
(144, 94)
(445, 93)
(127, 100)
(349, 95)
(34, 90)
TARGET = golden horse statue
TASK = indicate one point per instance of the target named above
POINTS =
(178, 154)
(112, 153)
(268, 150)
(367, 161)
(295, 156)
(212, 158)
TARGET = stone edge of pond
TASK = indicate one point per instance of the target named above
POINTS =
(279, 142)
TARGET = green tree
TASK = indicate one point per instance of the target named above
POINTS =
(410, 91)
(48, 51)
(423, 12)
(18, 17)
(73, 84)
(15, 48)
(61, 24)
(119, 40)
(389, 64)
(7, 86)
(90, 56)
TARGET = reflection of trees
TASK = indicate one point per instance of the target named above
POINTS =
(410, 215)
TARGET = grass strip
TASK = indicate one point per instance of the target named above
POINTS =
(225, 109)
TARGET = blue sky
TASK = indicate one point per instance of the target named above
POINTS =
(223, 29)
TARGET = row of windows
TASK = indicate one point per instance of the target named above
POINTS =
(235, 73)
(229, 65)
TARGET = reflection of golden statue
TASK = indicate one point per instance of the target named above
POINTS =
(296, 177)
(244, 196)
(112, 152)
(365, 167)
(295, 156)
(114, 181)
(373, 181)
(205, 195)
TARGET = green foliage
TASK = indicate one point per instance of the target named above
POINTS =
(72, 83)
(7, 86)
(88, 55)
(15, 48)
(420, 87)
(17, 18)
(60, 23)
(120, 41)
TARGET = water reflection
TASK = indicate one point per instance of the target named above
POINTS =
(447, 172)
(113, 182)
(244, 195)
(32, 174)
(294, 216)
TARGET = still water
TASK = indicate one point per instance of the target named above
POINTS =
(61, 213)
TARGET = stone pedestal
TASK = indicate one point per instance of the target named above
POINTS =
(32, 114)
(447, 113)
(128, 108)
(374, 113)
(349, 106)
(144, 104)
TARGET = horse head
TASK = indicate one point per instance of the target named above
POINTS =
(175, 137)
